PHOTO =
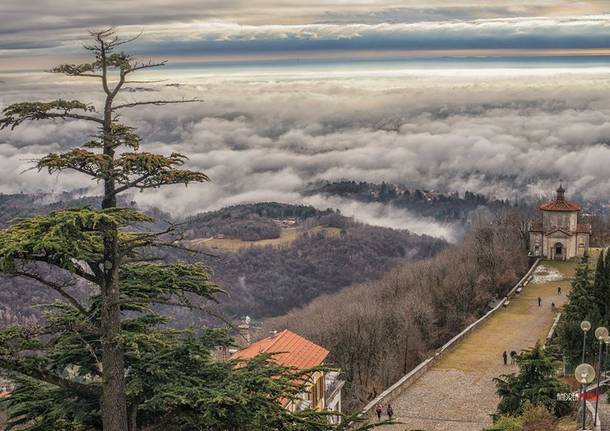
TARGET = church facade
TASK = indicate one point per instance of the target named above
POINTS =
(558, 234)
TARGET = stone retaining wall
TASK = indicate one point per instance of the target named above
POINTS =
(407, 380)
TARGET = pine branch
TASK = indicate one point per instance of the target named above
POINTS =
(88, 390)
(33, 111)
(56, 287)
(148, 65)
(206, 310)
(138, 238)
(95, 165)
(75, 270)
(132, 184)
(91, 350)
(184, 248)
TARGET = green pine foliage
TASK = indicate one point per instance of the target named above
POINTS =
(111, 360)
(582, 305)
(535, 384)
(588, 300)
(601, 286)
(507, 423)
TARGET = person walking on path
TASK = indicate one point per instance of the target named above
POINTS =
(378, 410)
(559, 290)
(539, 301)
(390, 411)
(505, 357)
(513, 357)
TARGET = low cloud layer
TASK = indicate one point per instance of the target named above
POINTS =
(266, 135)
(378, 214)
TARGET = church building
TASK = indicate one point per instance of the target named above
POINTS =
(558, 235)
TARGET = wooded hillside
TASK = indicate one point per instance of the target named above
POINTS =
(260, 281)
(388, 326)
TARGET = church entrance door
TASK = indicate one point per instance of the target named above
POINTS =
(558, 255)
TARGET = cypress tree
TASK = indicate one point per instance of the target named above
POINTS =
(606, 282)
(600, 286)
(582, 305)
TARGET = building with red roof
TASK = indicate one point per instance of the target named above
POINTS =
(558, 234)
(323, 390)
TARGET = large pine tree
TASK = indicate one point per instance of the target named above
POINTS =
(601, 286)
(111, 361)
(535, 383)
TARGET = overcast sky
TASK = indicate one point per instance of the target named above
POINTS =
(509, 130)
(207, 29)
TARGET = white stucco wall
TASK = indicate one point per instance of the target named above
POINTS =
(556, 219)
(568, 243)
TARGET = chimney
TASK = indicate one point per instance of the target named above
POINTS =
(244, 339)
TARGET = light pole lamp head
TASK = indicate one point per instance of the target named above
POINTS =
(584, 374)
(601, 333)
(607, 340)
(585, 325)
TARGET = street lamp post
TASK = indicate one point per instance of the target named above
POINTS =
(607, 341)
(585, 325)
(584, 374)
(601, 334)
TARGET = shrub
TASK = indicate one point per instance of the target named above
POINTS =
(507, 423)
(567, 424)
(537, 418)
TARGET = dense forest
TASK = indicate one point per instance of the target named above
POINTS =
(446, 207)
(388, 326)
(249, 222)
(268, 281)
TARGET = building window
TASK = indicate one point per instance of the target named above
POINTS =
(321, 384)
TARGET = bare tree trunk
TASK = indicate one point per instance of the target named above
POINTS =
(114, 400)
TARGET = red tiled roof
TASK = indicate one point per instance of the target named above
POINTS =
(292, 350)
(559, 205)
(583, 228)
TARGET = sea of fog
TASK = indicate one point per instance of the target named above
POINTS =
(505, 127)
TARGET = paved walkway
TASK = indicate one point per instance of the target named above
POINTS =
(458, 393)
(604, 412)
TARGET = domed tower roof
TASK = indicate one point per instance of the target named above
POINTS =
(560, 203)
(560, 193)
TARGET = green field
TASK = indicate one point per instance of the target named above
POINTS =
(287, 236)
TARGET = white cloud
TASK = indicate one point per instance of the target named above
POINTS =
(378, 214)
(265, 136)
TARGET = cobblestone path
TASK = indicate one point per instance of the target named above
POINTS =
(458, 393)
